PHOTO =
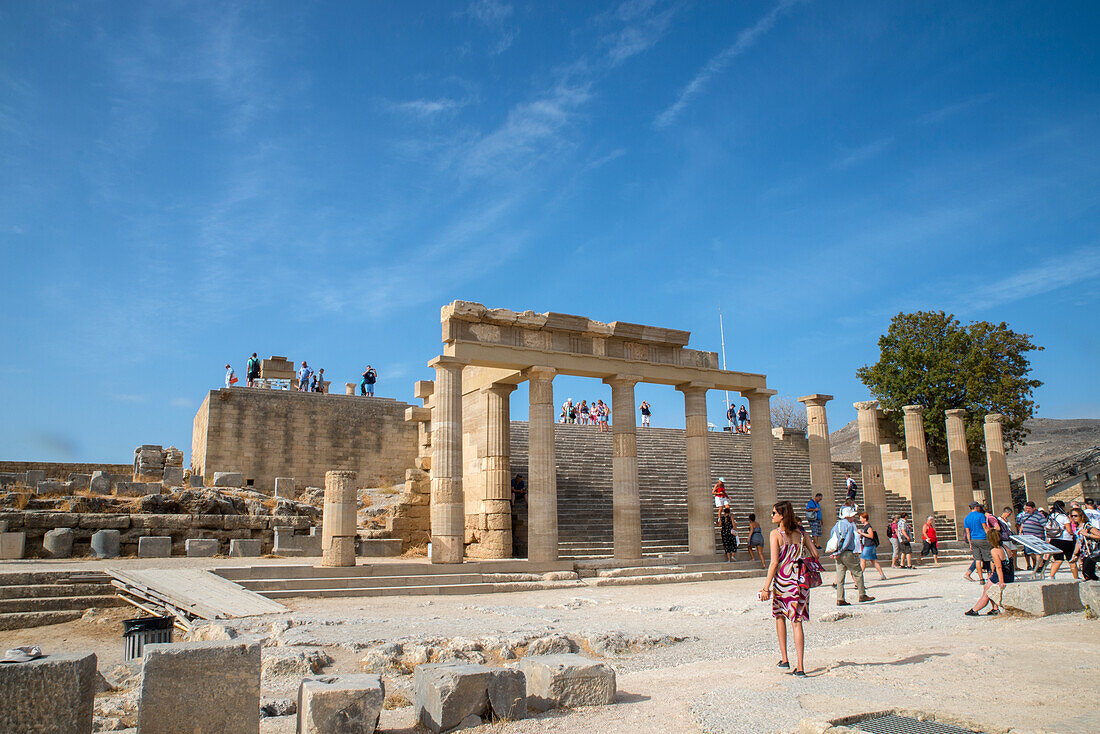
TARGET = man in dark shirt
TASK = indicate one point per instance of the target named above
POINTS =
(519, 489)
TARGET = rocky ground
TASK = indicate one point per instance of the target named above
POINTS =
(690, 657)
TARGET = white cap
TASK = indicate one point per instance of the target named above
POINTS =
(847, 512)
(722, 479)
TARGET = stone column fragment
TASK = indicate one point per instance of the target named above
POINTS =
(870, 456)
(1000, 486)
(497, 504)
(627, 505)
(958, 457)
(700, 512)
(916, 454)
(821, 459)
(339, 531)
(447, 509)
(1036, 487)
(763, 458)
(542, 493)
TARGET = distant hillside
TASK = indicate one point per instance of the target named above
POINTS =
(1050, 439)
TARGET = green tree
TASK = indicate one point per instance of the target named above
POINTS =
(928, 358)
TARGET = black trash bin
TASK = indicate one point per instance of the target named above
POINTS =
(138, 633)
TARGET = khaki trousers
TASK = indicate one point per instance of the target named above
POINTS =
(846, 562)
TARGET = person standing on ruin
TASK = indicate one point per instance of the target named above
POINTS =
(975, 526)
(366, 387)
(252, 370)
(320, 386)
(230, 376)
(790, 599)
(743, 419)
(603, 412)
(1001, 573)
(644, 407)
(303, 377)
(850, 488)
(756, 539)
(583, 410)
(905, 541)
(519, 490)
(731, 417)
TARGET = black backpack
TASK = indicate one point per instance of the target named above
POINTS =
(874, 537)
(889, 531)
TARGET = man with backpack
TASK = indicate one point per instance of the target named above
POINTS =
(252, 371)
(844, 547)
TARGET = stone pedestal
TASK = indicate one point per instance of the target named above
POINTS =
(542, 497)
(627, 505)
(1000, 487)
(700, 505)
(496, 469)
(52, 694)
(1036, 487)
(763, 458)
(870, 455)
(962, 483)
(821, 459)
(339, 525)
(916, 454)
(447, 509)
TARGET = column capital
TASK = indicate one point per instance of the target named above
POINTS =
(994, 418)
(955, 413)
(913, 409)
(760, 392)
(503, 389)
(865, 405)
(445, 362)
(622, 380)
(540, 373)
(816, 399)
(685, 387)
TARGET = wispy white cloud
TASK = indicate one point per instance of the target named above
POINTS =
(1050, 274)
(496, 16)
(940, 114)
(862, 153)
(128, 397)
(425, 107)
(744, 41)
(642, 29)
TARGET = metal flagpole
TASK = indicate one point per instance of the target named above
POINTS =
(722, 333)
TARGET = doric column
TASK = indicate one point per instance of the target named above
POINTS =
(542, 493)
(448, 511)
(1000, 488)
(821, 458)
(1036, 487)
(339, 532)
(870, 456)
(916, 455)
(497, 505)
(627, 505)
(700, 504)
(962, 484)
(763, 457)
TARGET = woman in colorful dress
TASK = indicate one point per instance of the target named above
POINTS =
(728, 528)
(790, 601)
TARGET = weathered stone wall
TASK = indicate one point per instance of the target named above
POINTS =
(279, 433)
(61, 470)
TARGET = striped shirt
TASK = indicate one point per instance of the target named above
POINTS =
(1032, 523)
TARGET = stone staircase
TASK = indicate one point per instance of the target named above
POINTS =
(35, 598)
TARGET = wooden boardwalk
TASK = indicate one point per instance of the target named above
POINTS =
(190, 593)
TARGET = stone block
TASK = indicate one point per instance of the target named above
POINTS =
(51, 520)
(79, 482)
(34, 476)
(1090, 598)
(202, 687)
(340, 704)
(195, 481)
(155, 546)
(228, 479)
(105, 543)
(8, 480)
(104, 521)
(242, 548)
(153, 488)
(12, 545)
(1042, 598)
(51, 694)
(379, 547)
(508, 693)
(48, 486)
(286, 488)
(446, 693)
(173, 476)
(99, 483)
(58, 543)
(202, 547)
(567, 680)
(129, 489)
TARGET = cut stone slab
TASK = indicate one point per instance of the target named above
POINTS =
(379, 547)
(285, 488)
(173, 476)
(48, 486)
(34, 476)
(58, 543)
(105, 543)
(79, 482)
(1090, 598)
(446, 693)
(12, 545)
(245, 548)
(1042, 598)
(153, 488)
(99, 483)
(200, 687)
(195, 481)
(155, 546)
(228, 479)
(569, 680)
(129, 489)
(340, 704)
(51, 694)
(508, 693)
(201, 547)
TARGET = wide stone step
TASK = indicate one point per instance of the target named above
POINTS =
(25, 620)
(674, 578)
(36, 591)
(58, 603)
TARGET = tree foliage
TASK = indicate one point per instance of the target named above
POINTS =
(928, 358)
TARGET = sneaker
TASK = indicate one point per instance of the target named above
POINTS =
(972, 613)
(866, 598)
(843, 604)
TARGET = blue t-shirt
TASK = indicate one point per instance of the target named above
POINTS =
(813, 510)
(975, 523)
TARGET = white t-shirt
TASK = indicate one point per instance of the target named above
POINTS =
(228, 376)
(1062, 521)
(1093, 516)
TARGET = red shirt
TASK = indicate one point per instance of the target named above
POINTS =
(930, 533)
(719, 490)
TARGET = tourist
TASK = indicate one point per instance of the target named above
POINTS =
(230, 376)
(1062, 535)
(731, 417)
(790, 599)
(566, 409)
(603, 413)
(743, 420)
(721, 499)
(1002, 524)
(846, 557)
(868, 539)
(1001, 573)
(644, 407)
(1086, 551)
(519, 489)
(252, 370)
(1032, 522)
(572, 416)
(1091, 512)
(584, 412)
(304, 374)
(756, 539)
(974, 524)
(891, 533)
(850, 488)
(728, 531)
(366, 387)
(813, 517)
(930, 546)
(905, 541)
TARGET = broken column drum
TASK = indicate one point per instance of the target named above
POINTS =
(339, 532)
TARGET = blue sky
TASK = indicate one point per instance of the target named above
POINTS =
(186, 183)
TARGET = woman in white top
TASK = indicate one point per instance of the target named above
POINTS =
(1064, 541)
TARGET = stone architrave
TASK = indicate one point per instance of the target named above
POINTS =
(339, 528)
(958, 457)
(874, 488)
(542, 497)
(626, 503)
(51, 694)
(448, 511)
(497, 505)
(1000, 486)
(764, 494)
(821, 458)
(916, 455)
(1036, 487)
(700, 512)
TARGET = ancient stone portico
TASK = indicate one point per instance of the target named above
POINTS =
(487, 352)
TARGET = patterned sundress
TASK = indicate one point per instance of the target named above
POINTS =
(788, 598)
